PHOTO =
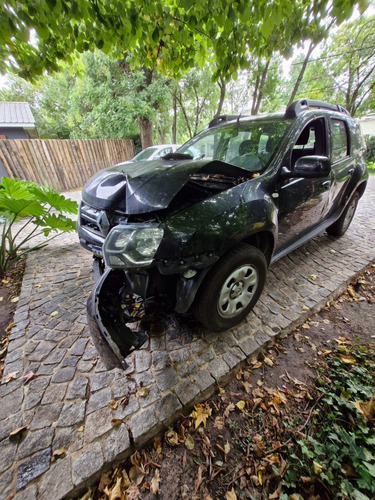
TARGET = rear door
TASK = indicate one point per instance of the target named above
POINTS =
(342, 161)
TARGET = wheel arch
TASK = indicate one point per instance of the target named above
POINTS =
(264, 241)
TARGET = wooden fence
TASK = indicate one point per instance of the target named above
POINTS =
(64, 164)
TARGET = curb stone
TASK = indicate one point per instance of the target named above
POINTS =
(73, 400)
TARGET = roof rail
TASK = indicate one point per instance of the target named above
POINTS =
(221, 119)
(297, 107)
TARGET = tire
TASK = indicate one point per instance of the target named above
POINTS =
(340, 227)
(231, 288)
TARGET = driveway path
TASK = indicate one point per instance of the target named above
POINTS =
(71, 403)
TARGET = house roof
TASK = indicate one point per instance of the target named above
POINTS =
(16, 114)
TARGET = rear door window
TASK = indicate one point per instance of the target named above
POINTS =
(340, 140)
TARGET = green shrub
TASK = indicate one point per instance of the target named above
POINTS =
(39, 211)
(370, 143)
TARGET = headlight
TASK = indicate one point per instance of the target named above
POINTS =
(132, 246)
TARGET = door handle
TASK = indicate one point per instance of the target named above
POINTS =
(326, 184)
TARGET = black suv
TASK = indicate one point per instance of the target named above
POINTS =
(199, 227)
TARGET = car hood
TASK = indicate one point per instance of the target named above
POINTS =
(138, 188)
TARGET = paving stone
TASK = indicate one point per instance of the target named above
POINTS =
(100, 380)
(142, 360)
(99, 399)
(78, 388)
(180, 355)
(187, 368)
(233, 357)
(68, 341)
(204, 380)
(70, 361)
(35, 441)
(42, 351)
(55, 357)
(71, 414)
(79, 347)
(167, 407)
(10, 424)
(97, 424)
(32, 468)
(87, 464)
(45, 416)
(218, 368)
(69, 438)
(144, 379)
(14, 355)
(6, 484)
(64, 375)
(186, 391)
(117, 444)
(160, 360)
(152, 396)
(90, 353)
(11, 386)
(29, 493)
(7, 454)
(143, 426)
(167, 378)
(123, 410)
(249, 346)
(55, 393)
(11, 403)
(57, 482)
(16, 366)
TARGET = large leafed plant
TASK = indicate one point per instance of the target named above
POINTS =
(27, 212)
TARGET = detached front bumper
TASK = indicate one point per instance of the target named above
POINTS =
(108, 323)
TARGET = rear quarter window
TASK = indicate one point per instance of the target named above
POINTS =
(340, 140)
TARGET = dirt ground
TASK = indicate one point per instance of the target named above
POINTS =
(10, 287)
(231, 447)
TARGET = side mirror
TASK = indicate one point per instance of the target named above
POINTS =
(309, 167)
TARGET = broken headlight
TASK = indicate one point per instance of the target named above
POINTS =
(133, 245)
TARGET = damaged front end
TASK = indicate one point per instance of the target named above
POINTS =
(159, 231)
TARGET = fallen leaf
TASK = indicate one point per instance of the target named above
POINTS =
(347, 360)
(18, 431)
(219, 423)
(155, 483)
(231, 495)
(116, 493)
(157, 445)
(104, 481)
(258, 364)
(15, 300)
(172, 437)
(228, 409)
(199, 478)
(9, 377)
(142, 391)
(80, 429)
(304, 308)
(317, 467)
(189, 442)
(247, 386)
(29, 376)
(54, 313)
(200, 414)
(60, 453)
(136, 475)
(268, 361)
(87, 495)
(313, 277)
(116, 421)
(241, 405)
(133, 493)
(306, 326)
(113, 404)
(1, 299)
(227, 448)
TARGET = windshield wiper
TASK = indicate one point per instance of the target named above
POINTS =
(177, 156)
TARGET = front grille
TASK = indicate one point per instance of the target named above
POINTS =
(89, 219)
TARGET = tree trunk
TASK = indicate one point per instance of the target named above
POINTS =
(223, 89)
(301, 73)
(174, 124)
(258, 91)
(145, 129)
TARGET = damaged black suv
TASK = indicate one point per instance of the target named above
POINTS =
(199, 227)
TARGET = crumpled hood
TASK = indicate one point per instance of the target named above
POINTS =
(136, 189)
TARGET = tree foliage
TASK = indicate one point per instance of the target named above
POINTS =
(170, 36)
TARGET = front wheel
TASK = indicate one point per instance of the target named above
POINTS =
(340, 227)
(231, 288)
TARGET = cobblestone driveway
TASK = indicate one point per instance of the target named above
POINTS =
(67, 404)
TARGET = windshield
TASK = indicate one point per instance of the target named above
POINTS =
(249, 145)
(145, 154)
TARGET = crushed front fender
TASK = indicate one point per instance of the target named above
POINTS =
(109, 325)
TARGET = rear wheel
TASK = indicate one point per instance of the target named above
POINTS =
(340, 227)
(232, 288)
